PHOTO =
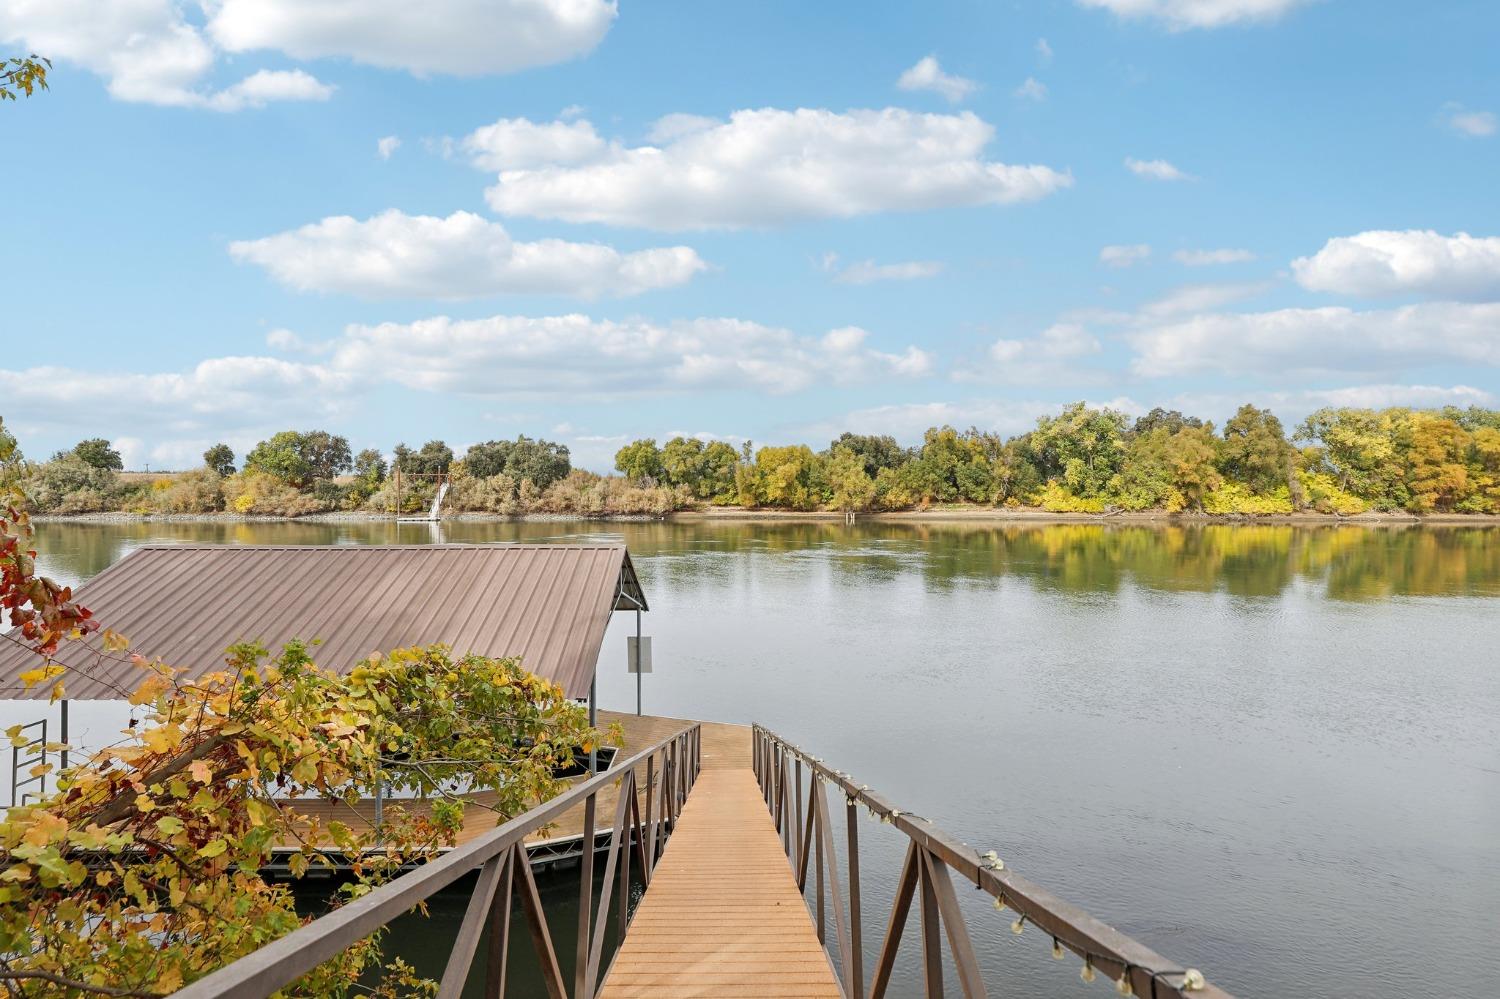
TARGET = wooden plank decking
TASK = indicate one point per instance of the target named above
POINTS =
(722, 915)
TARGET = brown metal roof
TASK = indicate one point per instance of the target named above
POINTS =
(547, 604)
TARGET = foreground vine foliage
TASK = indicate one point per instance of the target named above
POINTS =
(142, 872)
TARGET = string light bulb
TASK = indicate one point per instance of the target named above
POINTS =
(1057, 949)
(1019, 924)
(1123, 986)
(1193, 981)
(1087, 974)
(996, 864)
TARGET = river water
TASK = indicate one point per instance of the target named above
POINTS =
(1272, 753)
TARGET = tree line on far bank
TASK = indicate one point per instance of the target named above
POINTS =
(1088, 460)
(1084, 459)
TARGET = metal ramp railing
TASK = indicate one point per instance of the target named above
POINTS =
(38, 748)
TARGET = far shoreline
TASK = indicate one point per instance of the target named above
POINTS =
(731, 515)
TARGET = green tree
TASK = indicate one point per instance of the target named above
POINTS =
(1437, 472)
(1473, 418)
(1081, 447)
(640, 460)
(541, 462)
(681, 462)
(68, 484)
(791, 477)
(1485, 469)
(1014, 474)
(300, 458)
(716, 481)
(1359, 448)
(706, 469)
(23, 74)
(487, 458)
(953, 466)
(1255, 451)
(850, 487)
(369, 466)
(96, 452)
(433, 458)
(875, 451)
(327, 454)
(220, 459)
(10, 455)
(538, 461)
(1171, 419)
(1167, 469)
(402, 458)
(281, 457)
(1193, 455)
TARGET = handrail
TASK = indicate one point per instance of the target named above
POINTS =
(931, 854)
(500, 857)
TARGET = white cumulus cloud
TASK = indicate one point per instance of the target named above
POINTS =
(1049, 358)
(1180, 15)
(457, 37)
(769, 166)
(928, 75)
(264, 86)
(1058, 342)
(153, 52)
(1155, 170)
(519, 144)
(386, 146)
(395, 255)
(146, 51)
(1301, 342)
(219, 393)
(573, 355)
(1124, 256)
(1420, 261)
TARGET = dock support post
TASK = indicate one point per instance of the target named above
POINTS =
(594, 723)
(638, 662)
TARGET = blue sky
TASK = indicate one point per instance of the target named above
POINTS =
(594, 222)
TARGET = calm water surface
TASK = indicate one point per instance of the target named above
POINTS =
(1269, 752)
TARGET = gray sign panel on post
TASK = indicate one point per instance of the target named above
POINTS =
(638, 653)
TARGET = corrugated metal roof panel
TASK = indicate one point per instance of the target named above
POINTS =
(186, 604)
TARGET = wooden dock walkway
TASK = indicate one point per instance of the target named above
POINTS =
(722, 915)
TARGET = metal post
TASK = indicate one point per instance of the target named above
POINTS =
(593, 723)
(64, 737)
(638, 661)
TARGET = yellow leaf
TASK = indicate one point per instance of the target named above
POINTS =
(214, 848)
(162, 738)
(200, 772)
